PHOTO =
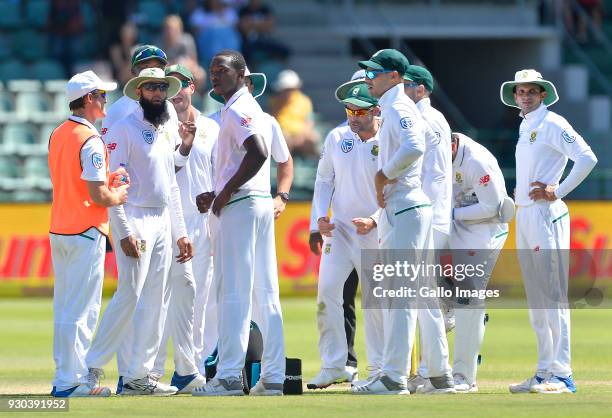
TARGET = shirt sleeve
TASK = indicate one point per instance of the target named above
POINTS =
(568, 142)
(412, 143)
(488, 192)
(93, 161)
(244, 126)
(280, 150)
(324, 183)
(177, 220)
(118, 151)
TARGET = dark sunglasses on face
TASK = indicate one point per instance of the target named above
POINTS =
(101, 93)
(155, 86)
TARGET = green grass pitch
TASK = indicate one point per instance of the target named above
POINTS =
(26, 367)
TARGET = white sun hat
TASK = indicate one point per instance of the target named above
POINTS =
(506, 91)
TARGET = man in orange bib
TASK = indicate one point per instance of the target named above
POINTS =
(82, 190)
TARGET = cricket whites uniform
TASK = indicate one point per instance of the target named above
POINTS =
(153, 216)
(78, 245)
(345, 182)
(245, 254)
(189, 282)
(477, 237)
(546, 142)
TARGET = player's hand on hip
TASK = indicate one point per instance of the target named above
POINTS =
(325, 227)
(380, 180)
(185, 250)
(315, 242)
(363, 225)
(220, 201)
(204, 201)
(279, 207)
(542, 191)
(129, 245)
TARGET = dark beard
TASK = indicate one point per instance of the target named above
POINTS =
(156, 114)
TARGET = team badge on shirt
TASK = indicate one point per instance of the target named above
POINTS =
(458, 178)
(406, 123)
(532, 137)
(484, 180)
(374, 150)
(327, 248)
(148, 136)
(347, 144)
(567, 137)
(97, 160)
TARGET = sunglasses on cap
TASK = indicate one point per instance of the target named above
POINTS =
(155, 86)
(358, 112)
(101, 93)
(147, 53)
(372, 74)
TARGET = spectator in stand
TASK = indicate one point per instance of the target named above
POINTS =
(214, 25)
(256, 25)
(293, 110)
(121, 52)
(64, 25)
(594, 9)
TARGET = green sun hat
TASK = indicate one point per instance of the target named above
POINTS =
(420, 75)
(355, 93)
(506, 91)
(259, 81)
(387, 59)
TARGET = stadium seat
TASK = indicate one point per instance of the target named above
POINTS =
(154, 13)
(10, 17)
(11, 70)
(30, 45)
(47, 70)
(60, 106)
(7, 111)
(87, 46)
(5, 47)
(24, 86)
(19, 138)
(10, 172)
(56, 86)
(36, 172)
(45, 133)
(37, 12)
(24, 196)
(34, 107)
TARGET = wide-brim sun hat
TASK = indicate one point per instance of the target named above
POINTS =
(155, 75)
(506, 91)
(259, 81)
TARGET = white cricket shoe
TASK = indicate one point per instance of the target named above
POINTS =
(327, 377)
(185, 384)
(220, 387)
(351, 374)
(525, 386)
(374, 374)
(462, 385)
(262, 388)
(147, 386)
(94, 376)
(82, 391)
(441, 385)
(381, 385)
(415, 382)
(555, 385)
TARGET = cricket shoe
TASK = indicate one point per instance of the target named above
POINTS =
(327, 377)
(185, 384)
(525, 387)
(441, 385)
(147, 386)
(119, 385)
(351, 373)
(82, 391)
(555, 385)
(381, 385)
(415, 382)
(94, 376)
(462, 385)
(374, 374)
(267, 389)
(220, 387)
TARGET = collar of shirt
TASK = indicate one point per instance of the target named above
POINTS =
(234, 97)
(390, 95)
(85, 122)
(535, 116)
(460, 154)
(423, 104)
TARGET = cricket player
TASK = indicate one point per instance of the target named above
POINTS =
(546, 142)
(404, 222)
(143, 229)
(349, 161)
(482, 210)
(245, 254)
(82, 192)
(437, 185)
(189, 283)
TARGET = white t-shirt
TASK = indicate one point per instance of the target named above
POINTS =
(241, 117)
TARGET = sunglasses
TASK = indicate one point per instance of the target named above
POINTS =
(155, 86)
(372, 74)
(101, 93)
(411, 84)
(150, 53)
(358, 112)
(185, 83)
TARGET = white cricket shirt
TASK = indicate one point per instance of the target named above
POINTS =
(93, 161)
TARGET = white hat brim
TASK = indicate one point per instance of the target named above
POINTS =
(507, 95)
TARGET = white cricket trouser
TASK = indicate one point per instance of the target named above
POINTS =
(403, 226)
(78, 262)
(471, 245)
(430, 319)
(209, 335)
(245, 264)
(543, 242)
(342, 254)
(188, 290)
(142, 282)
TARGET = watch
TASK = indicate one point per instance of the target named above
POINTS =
(284, 196)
